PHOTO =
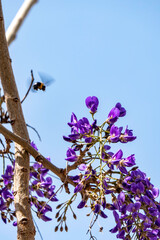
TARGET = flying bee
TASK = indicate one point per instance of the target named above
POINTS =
(46, 81)
(39, 86)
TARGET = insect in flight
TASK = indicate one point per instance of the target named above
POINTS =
(46, 81)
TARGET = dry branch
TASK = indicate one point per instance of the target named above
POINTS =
(38, 157)
(18, 20)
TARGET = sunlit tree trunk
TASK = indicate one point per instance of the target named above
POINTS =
(25, 228)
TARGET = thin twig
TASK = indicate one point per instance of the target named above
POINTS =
(7, 148)
(34, 130)
(38, 229)
(32, 80)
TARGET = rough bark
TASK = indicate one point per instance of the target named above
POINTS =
(25, 228)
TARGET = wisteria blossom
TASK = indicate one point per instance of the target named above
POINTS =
(103, 179)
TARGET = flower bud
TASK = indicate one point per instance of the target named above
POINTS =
(57, 215)
(56, 229)
(59, 219)
(59, 206)
(66, 228)
(74, 216)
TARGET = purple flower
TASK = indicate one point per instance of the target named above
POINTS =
(149, 194)
(121, 234)
(153, 211)
(113, 115)
(134, 207)
(127, 136)
(82, 167)
(75, 178)
(43, 171)
(40, 193)
(67, 139)
(103, 215)
(117, 220)
(105, 185)
(72, 137)
(34, 146)
(15, 224)
(97, 208)
(107, 147)
(37, 165)
(74, 126)
(129, 161)
(44, 218)
(155, 192)
(116, 216)
(94, 125)
(152, 235)
(123, 169)
(6, 194)
(121, 109)
(92, 103)
(138, 175)
(79, 187)
(88, 139)
(84, 126)
(103, 202)
(3, 204)
(73, 120)
(71, 155)
(121, 197)
(81, 204)
(147, 200)
(157, 222)
(107, 191)
(137, 188)
(114, 134)
(8, 176)
(46, 182)
(116, 158)
(114, 230)
(42, 210)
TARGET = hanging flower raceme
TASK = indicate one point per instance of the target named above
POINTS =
(102, 173)
(40, 183)
(104, 179)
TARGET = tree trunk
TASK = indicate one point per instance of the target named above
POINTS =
(25, 226)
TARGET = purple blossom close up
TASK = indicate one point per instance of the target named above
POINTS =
(92, 103)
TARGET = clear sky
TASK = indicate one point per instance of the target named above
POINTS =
(108, 49)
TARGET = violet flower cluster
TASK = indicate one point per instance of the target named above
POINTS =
(41, 187)
(6, 195)
(111, 181)
(107, 181)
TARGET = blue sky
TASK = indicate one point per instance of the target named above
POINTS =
(108, 49)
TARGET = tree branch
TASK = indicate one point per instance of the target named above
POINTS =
(38, 157)
(25, 226)
(18, 20)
